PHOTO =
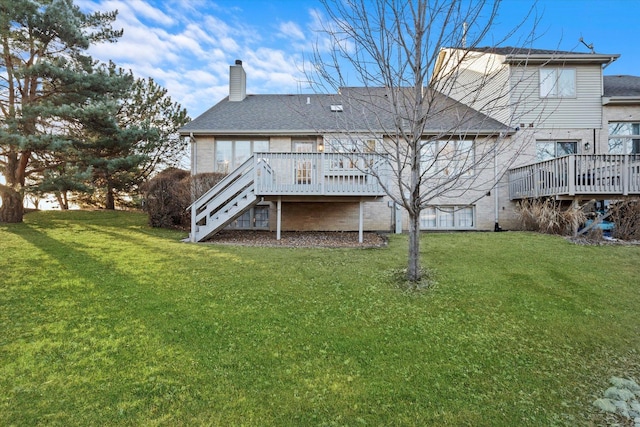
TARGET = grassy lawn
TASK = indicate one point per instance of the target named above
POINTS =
(104, 321)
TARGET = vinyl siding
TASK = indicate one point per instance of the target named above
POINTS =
(582, 111)
(487, 94)
(479, 80)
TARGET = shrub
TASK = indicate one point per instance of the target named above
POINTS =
(202, 182)
(169, 194)
(626, 217)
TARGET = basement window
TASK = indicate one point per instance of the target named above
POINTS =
(447, 218)
(256, 218)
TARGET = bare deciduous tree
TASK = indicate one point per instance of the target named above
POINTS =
(436, 148)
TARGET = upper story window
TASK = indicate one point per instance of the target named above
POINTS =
(547, 150)
(448, 158)
(557, 82)
(350, 153)
(350, 145)
(231, 154)
(624, 138)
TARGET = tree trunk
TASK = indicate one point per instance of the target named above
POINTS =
(12, 209)
(62, 200)
(109, 202)
(413, 268)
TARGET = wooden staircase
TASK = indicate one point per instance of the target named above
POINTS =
(226, 201)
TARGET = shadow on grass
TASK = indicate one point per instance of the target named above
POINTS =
(104, 345)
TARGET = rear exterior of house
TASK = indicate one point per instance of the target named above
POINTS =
(315, 162)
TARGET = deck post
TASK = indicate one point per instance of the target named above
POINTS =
(572, 175)
(575, 205)
(626, 176)
(360, 223)
(278, 218)
(322, 172)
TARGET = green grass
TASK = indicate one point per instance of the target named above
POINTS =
(104, 321)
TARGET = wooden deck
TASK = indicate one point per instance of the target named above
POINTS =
(318, 174)
(329, 177)
(583, 176)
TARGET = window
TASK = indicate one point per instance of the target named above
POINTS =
(361, 148)
(260, 146)
(350, 145)
(447, 218)
(224, 156)
(254, 218)
(447, 158)
(231, 154)
(547, 150)
(624, 138)
(557, 82)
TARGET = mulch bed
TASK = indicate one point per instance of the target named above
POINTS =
(299, 239)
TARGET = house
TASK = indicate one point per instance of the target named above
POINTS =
(579, 127)
(316, 161)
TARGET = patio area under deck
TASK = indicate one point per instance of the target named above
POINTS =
(591, 176)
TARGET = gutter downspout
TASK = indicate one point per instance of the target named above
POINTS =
(194, 170)
(609, 63)
(194, 154)
(496, 206)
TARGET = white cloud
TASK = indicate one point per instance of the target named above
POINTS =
(148, 11)
(187, 46)
(291, 30)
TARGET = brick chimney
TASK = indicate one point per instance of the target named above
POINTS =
(237, 82)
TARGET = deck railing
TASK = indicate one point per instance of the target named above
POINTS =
(600, 174)
(322, 174)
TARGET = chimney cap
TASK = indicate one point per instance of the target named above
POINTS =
(238, 62)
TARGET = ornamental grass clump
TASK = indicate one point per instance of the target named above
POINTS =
(548, 216)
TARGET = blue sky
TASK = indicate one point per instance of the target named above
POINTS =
(188, 45)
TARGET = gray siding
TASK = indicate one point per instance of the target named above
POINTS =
(488, 94)
(582, 111)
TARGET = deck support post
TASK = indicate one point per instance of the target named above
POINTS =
(575, 205)
(625, 174)
(278, 218)
(572, 175)
(360, 222)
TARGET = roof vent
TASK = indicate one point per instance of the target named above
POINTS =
(336, 108)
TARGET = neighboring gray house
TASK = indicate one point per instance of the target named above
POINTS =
(305, 162)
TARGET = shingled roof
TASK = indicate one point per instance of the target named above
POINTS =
(351, 110)
(621, 85)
